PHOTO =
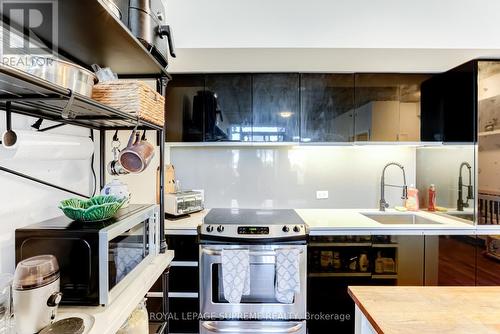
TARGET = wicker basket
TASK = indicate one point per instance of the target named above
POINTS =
(133, 97)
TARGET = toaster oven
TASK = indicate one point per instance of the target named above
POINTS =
(183, 202)
(97, 260)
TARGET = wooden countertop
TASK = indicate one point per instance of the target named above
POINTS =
(417, 310)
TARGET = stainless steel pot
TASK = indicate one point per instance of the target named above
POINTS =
(64, 73)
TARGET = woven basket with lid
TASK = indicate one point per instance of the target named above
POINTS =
(134, 97)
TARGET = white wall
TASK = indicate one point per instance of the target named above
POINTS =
(23, 202)
(331, 35)
(424, 24)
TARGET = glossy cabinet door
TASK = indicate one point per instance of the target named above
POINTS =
(387, 107)
(488, 260)
(448, 103)
(450, 260)
(184, 118)
(336, 262)
(232, 115)
(327, 107)
(275, 106)
(488, 154)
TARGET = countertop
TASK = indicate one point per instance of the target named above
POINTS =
(349, 221)
(440, 310)
(110, 318)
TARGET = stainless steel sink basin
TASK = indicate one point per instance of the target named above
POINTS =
(404, 219)
(463, 215)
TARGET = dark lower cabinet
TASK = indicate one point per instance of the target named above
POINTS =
(336, 262)
(488, 260)
(439, 260)
(183, 315)
(450, 260)
(183, 285)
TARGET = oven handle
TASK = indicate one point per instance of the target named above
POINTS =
(213, 329)
(218, 252)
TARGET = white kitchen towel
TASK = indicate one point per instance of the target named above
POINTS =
(287, 274)
(127, 257)
(235, 274)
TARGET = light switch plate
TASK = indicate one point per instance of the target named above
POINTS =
(322, 194)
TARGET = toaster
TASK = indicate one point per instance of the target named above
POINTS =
(183, 202)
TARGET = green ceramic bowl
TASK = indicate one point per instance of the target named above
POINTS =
(95, 209)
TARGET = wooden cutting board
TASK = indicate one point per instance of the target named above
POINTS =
(170, 179)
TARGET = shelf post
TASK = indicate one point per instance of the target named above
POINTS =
(102, 159)
(161, 86)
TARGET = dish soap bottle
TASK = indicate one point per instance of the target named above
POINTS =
(411, 202)
(379, 263)
(432, 198)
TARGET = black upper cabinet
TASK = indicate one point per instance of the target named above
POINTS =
(449, 105)
(387, 107)
(184, 119)
(327, 105)
(228, 107)
(275, 105)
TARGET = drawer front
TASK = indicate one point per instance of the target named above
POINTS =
(183, 315)
(183, 279)
(185, 247)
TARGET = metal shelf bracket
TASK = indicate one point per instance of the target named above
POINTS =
(67, 112)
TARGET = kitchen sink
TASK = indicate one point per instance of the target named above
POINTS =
(463, 215)
(404, 219)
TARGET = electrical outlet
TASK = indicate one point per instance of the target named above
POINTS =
(321, 194)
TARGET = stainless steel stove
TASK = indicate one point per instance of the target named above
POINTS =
(262, 232)
(249, 225)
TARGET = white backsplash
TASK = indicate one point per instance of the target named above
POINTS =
(440, 166)
(288, 177)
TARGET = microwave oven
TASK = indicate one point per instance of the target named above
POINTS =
(97, 260)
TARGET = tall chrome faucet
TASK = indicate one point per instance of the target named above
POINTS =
(383, 203)
(460, 202)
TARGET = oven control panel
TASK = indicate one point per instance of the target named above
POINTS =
(253, 231)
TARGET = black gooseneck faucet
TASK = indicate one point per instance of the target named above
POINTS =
(460, 202)
(383, 203)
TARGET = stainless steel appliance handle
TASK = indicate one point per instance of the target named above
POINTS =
(218, 252)
(241, 329)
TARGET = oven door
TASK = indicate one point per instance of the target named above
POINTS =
(261, 303)
(261, 327)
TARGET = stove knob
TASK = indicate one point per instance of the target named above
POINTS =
(210, 228)
(286, 229)
(220, 228)
(296, 228)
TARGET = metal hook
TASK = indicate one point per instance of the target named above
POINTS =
(9, 137)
